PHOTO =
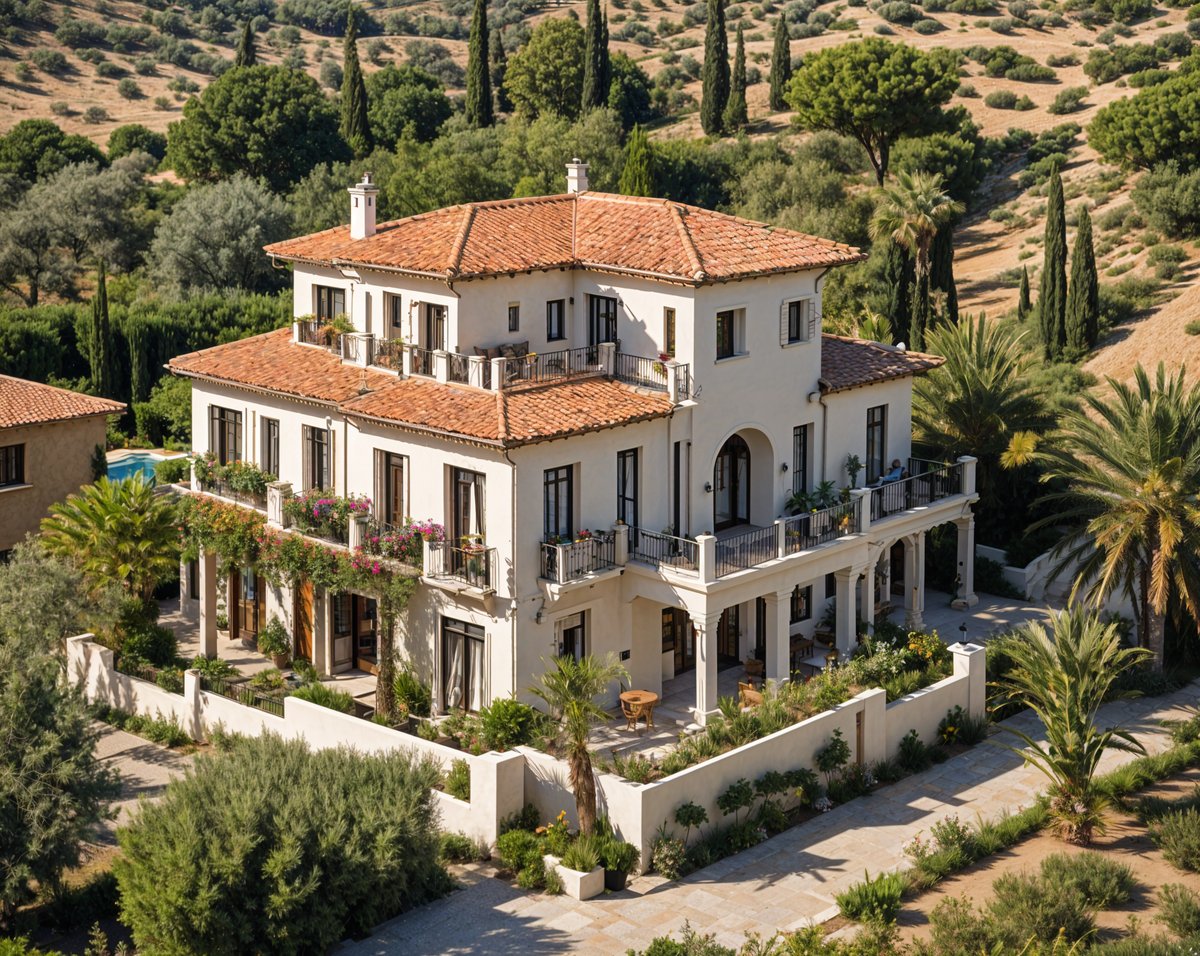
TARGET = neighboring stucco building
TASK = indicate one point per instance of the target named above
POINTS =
(48, 438)
(608, 401)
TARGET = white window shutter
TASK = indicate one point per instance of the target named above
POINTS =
(783, 322)
(810, 311)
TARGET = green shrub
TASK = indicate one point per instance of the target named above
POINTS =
(956, 928)
(1179, 908)
(216, 667)
(524, 819)
(876, 899)
(668, 856)
(1001, 100)
(458, 780)
(411, 692)
(1103, 882)
(324, 696)
(533, 876)
(959, 727)
(518, 849)
(616, 854)
(914, 756)
(170, 679)
(507, 723)
(248, 895)
(456, 848)
(151, 642)
(1068, 100)
(1177, 834)
(927, 26)
(583, 855)
(1025, 906)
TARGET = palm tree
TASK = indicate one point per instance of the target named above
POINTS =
(910, 212)
(1064, 678)
(981, 402)
(569, 688)
(1132, 466)
(116, 532)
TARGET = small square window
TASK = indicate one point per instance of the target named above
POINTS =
(514, 318)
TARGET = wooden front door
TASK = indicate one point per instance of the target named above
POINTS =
(302, 632)
(366, 634)
(248, 616)
(729, 630)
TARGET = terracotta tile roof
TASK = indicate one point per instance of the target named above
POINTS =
(30, 403)
(273, 362)
(849, 363)
(599, 231)
(513, 416)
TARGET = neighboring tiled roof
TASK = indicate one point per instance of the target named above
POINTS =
(31, 403)
(610, 233)
(513, 416)
(271, 361)
(849, 363)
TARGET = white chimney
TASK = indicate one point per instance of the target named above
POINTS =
(577, 176)
(362, 208)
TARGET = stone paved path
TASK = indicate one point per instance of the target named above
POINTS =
(784, 883)
(146, 769)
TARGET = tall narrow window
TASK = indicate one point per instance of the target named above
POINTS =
(602, 319)
(467, 514)
(726, 338)
(12, 465)
(394, 307)
(224, 434)
(558, 493)
(390, 489)
(514, 317)
(572, 637)
(801, 604)
(669, 332)
(462, 665)
(876, 442)
(316, 458)
(800, 459)
(555, 326)
(331, 302)
(270, 446)
(627, 487)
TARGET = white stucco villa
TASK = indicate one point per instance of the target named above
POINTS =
(608, 402)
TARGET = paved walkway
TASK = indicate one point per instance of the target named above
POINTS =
(146, 769)
(784, 883)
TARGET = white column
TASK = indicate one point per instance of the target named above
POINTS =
(966, 562)
(845, 634)
(779, 663)
(866, 598)
(706, 665)
(914, 581)
(208, 603)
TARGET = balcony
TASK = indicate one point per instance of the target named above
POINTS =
(664, 550)
(467, 566)
(574, 560)
(928, 481)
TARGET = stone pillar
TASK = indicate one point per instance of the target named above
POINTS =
(968, 473)
(441, 365)
(621, 544)
(866, 598)
(192, 722)
(295, 332)
(779, 637)
(706, 665)
(475, 370)
(499, 370)
(845, 630)
(970, 661)
(208, 603)
(406, 361)
(277, 493)
(360, 529)
(608, 357)
(914, 581)
(674, 374)
(781, 537)
(965, 596)
(863, 497)
(708, 557)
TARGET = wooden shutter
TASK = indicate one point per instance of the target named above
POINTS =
(330, 471)
(380, 503)
(783, 322)
(306, 434)
(810, 317)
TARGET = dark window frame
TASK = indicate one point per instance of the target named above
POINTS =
(555, 483)
(12, 465)
(386, 465)
(669, 331)
(473, 639)
(876, 453)
(726, 330)
(327, 299)
(270, 446)
(514, 317)
(224, 429)
(602, 311)
(800, 440)
(318, 462)
(797, 327)
(627, 497)
(801, 604)
(556, 326)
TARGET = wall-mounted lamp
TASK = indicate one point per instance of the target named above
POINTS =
(783, 468)
(572, 300)
(541, 612)
(708, 487)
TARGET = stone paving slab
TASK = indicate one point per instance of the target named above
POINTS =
(145, 767)
(785, 883)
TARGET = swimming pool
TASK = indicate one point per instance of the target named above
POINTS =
(132, 463)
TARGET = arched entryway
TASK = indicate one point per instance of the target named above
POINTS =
(731, 484)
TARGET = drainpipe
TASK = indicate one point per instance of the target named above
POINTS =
(515, 604)
(819, 396)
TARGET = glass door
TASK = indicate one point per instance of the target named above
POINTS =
(731, 484)
(366, 637)
(435, 327)
(678, 638)
(602, 319)
(729, 631)
(462, 665)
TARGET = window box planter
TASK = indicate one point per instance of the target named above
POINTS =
(577, 885)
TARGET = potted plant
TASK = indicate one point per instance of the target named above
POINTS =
(472, 543)
(274, 642)
(619, 859)
(853, 467)
(222, 620)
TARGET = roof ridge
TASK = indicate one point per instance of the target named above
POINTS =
(685, 238)
(501, 414)
(460, 241)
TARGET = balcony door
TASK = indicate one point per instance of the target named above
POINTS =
(435, 327)
(602, 319)
(467, 513)
(678, 638)
(731, 484)
(462, 665)
(729, 632)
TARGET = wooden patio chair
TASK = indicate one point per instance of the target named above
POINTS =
(631, 713)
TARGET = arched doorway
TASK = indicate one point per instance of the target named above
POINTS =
(731, 484)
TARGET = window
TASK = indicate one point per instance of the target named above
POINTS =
(801, 604)
(555, 327)
(193, 580)
(800, 459)
(224, 434)
(390, 470)
(462, 665)
(572, 639)
(726, 334)
(830, 585)
(669, 332)
(514, 317)
(602, 319)
(316, 458)
(876, 442)
(797, 320)
(627, 487)
(342, 604)
(331, 302)
(394, 307)
(468, 504)
(558, 495)
(12, 465)
(270, 446)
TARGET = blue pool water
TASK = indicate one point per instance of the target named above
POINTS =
(134, 463)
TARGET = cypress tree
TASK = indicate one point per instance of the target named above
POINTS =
(1023, 305)
(139, 365)
(356, 129)
(1052, 290)
(941, 270)
(595, 59)
(479, 85)
(100, 337)
(714, 77)
(1083, 295)
(899, 274)
(636, 177)
(499, 67)
(920, 313)
(781, 65)
(735, 109)
(246, 54)
(606, 76)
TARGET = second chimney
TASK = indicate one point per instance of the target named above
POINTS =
(577, 176)
(362, 208)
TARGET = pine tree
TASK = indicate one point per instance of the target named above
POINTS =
(781, 65)
(714, 77)
(941, 271)
(499, 67)
(1083, 295)
(246, 54)
(100, 337)
(735, 117)
(356, 129)
(636, 176)
(1052, 291)
(479, 86)
(595, 59)
(1023, 305)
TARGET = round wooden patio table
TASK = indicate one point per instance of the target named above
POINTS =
(641, 704)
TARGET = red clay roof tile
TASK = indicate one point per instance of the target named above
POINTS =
(849, 363)
(31, 403)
